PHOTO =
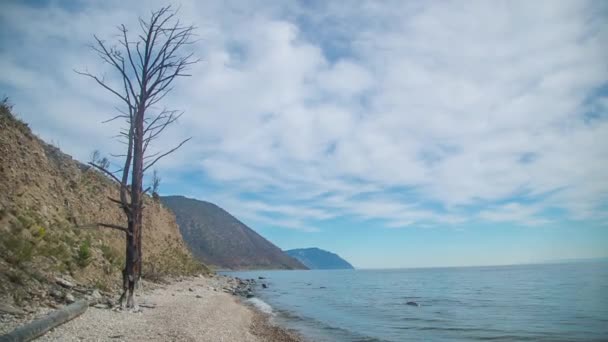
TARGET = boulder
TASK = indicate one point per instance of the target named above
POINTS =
(69, 298)
(65, 283)
(56, 294)
(96, 294)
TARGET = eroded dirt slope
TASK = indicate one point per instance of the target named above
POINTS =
(44, 196)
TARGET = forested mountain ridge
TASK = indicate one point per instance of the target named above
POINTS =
(315, 258)
(220, 239)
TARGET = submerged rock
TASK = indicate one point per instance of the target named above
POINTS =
(412, 304)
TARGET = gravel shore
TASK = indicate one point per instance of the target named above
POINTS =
(194, 309)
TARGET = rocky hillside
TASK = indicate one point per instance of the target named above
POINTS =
(318, 259)
(219, 239)
(44, 196)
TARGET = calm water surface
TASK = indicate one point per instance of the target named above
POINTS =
(551, 302)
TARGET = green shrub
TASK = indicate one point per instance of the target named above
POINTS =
(15, 277)
(83, 257)
(111, 255)
(55, 249)
(103, 286)
(39, 232)
(27, 219)
(17, 250)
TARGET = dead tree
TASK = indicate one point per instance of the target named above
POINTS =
(155, 184)
(146, 65)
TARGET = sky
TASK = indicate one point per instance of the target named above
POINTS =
(394, 133)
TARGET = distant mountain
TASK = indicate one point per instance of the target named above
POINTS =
(315, 258)
(219, 239)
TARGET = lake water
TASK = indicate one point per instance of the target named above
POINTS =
(550, 302)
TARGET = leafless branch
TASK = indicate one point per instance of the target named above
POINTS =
(106, 225)
(106, 171)
(147, 63)
(165, 154)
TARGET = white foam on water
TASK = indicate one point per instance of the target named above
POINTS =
(261, 305)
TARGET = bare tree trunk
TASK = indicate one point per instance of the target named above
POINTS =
(139, 255)
(147, 65)
(133, 270)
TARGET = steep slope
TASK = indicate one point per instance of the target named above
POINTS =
(44, 196)
(318, 259)
(219, 239)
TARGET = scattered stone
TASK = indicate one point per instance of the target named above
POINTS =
(54, 305)
(30, 310)
(95, 294)
(149, 306)
(261, 278)
(79, 289)
(250, 295)
(64, 283)
(190, 289)
(100, 306)
(199, 296)
(38, 293)
(56, 294)
(137, 309)
(264, 286)
(5, 308)
(69, 298)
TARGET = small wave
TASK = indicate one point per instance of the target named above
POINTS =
(261, 305)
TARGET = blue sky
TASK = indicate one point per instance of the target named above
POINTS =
(395, 133)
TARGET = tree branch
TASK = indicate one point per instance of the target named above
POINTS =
(106, 225)
(104, 170)
(165, 154)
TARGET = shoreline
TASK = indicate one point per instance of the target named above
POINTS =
(189, 309)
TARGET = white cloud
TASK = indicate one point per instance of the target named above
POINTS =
(330, 111)
(513, 212)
